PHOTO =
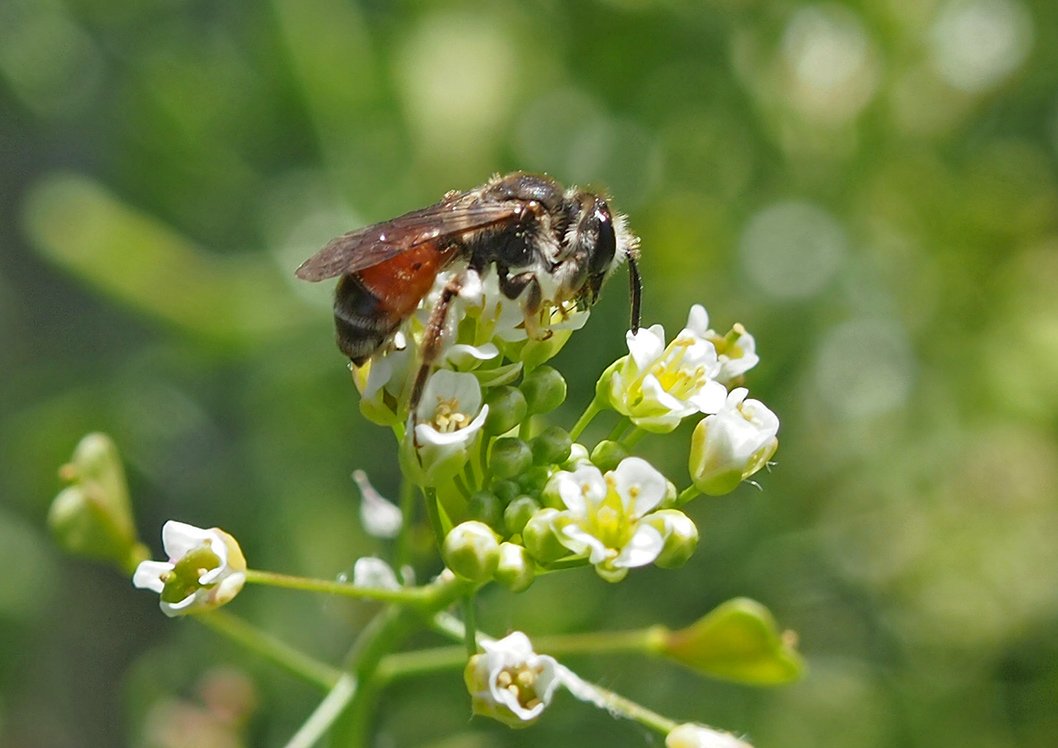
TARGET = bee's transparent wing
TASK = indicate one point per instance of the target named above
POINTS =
(363, 248)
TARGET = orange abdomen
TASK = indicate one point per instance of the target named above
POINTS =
(371, 304)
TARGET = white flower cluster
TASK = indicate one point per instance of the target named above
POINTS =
(657, 385)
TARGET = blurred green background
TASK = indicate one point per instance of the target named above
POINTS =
(870, 187)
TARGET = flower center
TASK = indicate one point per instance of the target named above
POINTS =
(447, 416)
(520, 682)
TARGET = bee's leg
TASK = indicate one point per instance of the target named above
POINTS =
(431, 341)
(526, 287)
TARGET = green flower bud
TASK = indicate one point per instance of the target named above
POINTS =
(544, 390)
(551, 446)
(515, 570)
(578, 456)
(602, 387)
(472, 550)
(507, 409)
(738, 641)
(507, 490)
(518, 513)
(510, 457)
(680, 534)
(607, 455)
(730, 446)
(535, 478)
(540, 539)
(93, 516)
(485, 506)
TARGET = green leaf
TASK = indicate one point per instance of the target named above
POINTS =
(739, 641)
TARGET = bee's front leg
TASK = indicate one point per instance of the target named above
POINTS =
(526, 288)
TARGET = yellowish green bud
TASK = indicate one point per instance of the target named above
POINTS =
(608, 454)
(516, 569)
(472, 550)
(738, 641)
(507, 409)
(544, 390)
(539, 537)
(92, 517)
(518, 513)
(510, 457)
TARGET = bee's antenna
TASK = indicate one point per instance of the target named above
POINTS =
(635, 290)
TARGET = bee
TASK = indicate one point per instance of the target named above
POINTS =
(549, 247)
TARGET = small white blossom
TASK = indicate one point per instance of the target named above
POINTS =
(374, 573)
(611, 518)
(510, 682)
(732, 445)
(382, 381)
(657, 385)
(380, 517)
(736, 351)
(449, 417)
(698, 736)
(205, 569)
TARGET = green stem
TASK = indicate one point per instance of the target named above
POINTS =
(436, 659)
(406, 595)
(402, 554)
(421, 662)
(594, 408)
(619, 429)
(525, 428)
(461, 485)
(470, 640)
(434, 516)
(325, 715)
(270, 648)
(638, 641)
(632, 438)
(480, 451)
(687, 494)
(468, 474)
(383, 634)
(353, 700)
(615, 704)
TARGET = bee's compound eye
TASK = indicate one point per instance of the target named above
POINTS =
(605, 243)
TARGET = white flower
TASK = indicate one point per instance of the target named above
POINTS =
(380, 517)
(610, 518)
(449, 417)
(732, 445)
(205, 569)
(383, 380)
(698, 736)
(510, 682)
(374, 573)
(657, 385)
(736, 351)
(497, 316)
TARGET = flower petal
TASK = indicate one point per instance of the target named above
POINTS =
(639, 484)
(642, 548)
(148, 575)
